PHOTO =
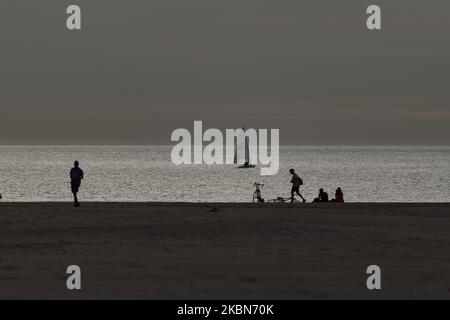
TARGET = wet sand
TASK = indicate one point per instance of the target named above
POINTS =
(224, 251)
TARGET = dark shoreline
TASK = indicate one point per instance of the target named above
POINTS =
(225, 251)
(225, 204)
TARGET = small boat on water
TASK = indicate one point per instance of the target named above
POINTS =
(247, 164)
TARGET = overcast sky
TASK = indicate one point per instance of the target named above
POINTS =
(141, 68)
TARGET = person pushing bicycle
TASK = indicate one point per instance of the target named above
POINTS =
(296, 183)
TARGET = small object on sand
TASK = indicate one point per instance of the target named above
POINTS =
(214, 210)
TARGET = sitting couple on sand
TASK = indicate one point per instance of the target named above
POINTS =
(323, 196)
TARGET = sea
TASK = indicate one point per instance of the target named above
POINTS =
(147, 174)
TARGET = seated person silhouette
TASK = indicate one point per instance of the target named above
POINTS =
(322, 197)
(338, 196)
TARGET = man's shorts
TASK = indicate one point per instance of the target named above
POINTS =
(295, 189)
(75, 186)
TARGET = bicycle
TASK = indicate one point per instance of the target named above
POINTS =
(284, 200)
(257, 196)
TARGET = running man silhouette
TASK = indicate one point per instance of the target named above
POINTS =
(76, 175)
(296, 183)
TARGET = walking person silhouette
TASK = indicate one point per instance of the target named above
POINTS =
(76, 175)
(296, 183)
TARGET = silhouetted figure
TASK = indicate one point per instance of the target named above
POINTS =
(76, 175)
(338, 196)
(246, 165)
(296, 183)
(322, 197)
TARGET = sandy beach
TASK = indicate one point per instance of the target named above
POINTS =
(224, 251)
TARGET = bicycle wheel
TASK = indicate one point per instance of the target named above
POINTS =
(277, 200)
